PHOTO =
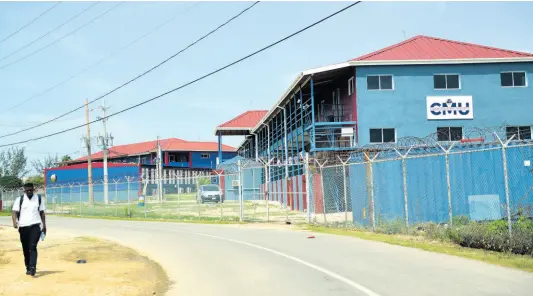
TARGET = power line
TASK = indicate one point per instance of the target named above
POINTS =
(190, 82)
(101, 60)
(64, 36)
(31, 22)
(137, 77)
(49, 32)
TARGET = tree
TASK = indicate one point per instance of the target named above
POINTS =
(66, 158)
(36, 180)
(46, 163)
(10, 182)
(13, 162)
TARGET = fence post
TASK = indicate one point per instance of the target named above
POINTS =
(61, 199)
(267, 189)
(370, 185)
(223, 193)
(80, 201)
(240, 191)
(506, 181)
(405, 192)
(307, 190)
(70, 197)
(448, 181)
(178, 181)
(345, 189)
(198, 197)
(321, 166)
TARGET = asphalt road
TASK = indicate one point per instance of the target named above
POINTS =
(258, 260)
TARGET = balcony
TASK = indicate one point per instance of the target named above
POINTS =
(334, 136)
(175, 164)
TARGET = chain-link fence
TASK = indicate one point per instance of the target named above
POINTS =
(239, 193)
(405, 187)
(371, 188)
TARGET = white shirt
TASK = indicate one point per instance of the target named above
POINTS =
(29, 215)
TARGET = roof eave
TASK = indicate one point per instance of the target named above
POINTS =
(297, 81)
(440, 61)
(236, 129)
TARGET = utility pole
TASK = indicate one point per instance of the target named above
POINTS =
(89, 164)
(104, 141)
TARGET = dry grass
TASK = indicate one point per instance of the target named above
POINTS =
(111, 269)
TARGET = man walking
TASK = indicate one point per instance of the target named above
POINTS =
(28, 215)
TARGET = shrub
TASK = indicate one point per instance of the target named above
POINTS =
(494, 236)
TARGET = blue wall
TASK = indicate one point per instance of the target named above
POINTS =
(66, 176)
(404, 108)
(476, 173)
(61, 189)
(211, 162)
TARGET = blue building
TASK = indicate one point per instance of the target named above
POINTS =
(421, 87)
(136, 163)
(415, 88)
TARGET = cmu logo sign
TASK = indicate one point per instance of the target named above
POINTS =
(449, 107)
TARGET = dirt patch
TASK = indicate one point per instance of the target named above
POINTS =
(111, 269)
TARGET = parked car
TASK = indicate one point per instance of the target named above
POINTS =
(209, 193)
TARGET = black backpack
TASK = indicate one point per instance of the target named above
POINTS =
(20, 205)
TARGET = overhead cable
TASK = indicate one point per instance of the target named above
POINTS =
(49, 32)
(63, 37)
(188, 83)
(100, 61)
(137, 77)
(29, 23)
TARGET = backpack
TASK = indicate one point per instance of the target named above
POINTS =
(20, 205)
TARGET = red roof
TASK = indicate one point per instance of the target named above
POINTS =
(95, 165)
(248, 119)
(431, 48)
(172, 144)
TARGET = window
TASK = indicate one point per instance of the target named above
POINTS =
(205, 155)
(382, 135)
(351, 86)
(520, 132)
(379, 82)
(448, 134)
(172, 158)
(513, 79)
(446, 81)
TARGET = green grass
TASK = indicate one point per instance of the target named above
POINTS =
(521, 262)
(5, 213)
(195, 220)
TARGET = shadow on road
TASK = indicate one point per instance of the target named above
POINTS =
(45, 273)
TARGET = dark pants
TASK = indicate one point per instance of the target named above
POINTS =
(29, 237)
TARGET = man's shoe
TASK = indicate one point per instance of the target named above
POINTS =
(32, 271)
(28, 272)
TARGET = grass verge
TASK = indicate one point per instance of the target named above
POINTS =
(521, 262)
(191, 220)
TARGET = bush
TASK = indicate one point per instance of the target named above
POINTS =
(392, 227)
(494, 236)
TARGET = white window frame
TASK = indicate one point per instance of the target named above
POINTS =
(446, 81)
(450, 134)
(205, 155)
(379, 89)
(351, 85)
(382, 128)
(525, 77)
(518, 135)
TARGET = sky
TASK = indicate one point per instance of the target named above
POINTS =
(194, 112)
